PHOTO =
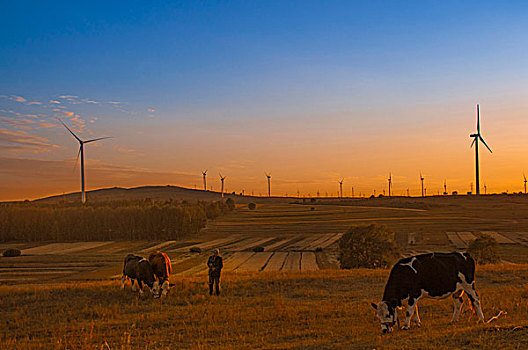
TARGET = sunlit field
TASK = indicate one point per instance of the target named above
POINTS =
(283, 310)
(65, 294)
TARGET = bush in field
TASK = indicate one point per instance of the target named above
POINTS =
(252, 206)
(105, 220)
(230, 203)
(12, 252)
(371, 246)
(258, 249)
(318, 249)
(195, 250)
(484, 249)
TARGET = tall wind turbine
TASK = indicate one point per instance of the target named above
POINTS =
(222, 178)
(422, 180)
(390, 183)
(204, 174)
(445, 187)
(269, 183)
(81, 153)
(476, 138)
(525, 183)
(341, 188)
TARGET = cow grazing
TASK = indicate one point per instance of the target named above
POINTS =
(434, 275)
(161, 266)
(139, 269)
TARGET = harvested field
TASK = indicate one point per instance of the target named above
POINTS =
(276, 261)
(292, 262)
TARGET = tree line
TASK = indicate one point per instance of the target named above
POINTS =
(106, 220)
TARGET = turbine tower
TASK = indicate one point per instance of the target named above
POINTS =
(269, 183)
(525, 183)
(476, 138)
(341, 188)
(81, 153)
(222, 178)
(445, 187)
(422, 180)
(390, 183)
(204, 174)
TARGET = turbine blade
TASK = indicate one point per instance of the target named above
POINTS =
(71, 132)
(478, 119)
(97, 139)
(472, 143)
(77, 160)
(485, 144)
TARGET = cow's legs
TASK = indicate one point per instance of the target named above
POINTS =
(140, 285)
(411, 308)
(123, 281)
(416, 316)
(474, 299)
(457, 304)
(133, 285)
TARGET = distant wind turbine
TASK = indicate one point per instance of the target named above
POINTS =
(476, 138)
(445, 187)
(81, 153)
(222, 178)
(390, 183)
(204, 174)
(422, 180)
(269, 183)
(525, 183)
(341, 188)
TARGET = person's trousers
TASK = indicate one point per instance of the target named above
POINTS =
(214, 280)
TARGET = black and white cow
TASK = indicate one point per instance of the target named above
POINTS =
(139, 269)
(433, 275)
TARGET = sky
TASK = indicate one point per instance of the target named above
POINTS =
(311, 91)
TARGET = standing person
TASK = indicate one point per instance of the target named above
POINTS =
(215, 264)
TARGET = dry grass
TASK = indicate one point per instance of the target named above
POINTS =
(310, 310)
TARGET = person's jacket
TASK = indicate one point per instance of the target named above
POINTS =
(215, 264)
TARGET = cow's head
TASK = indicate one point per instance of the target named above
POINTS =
(387, 314)
(156, 289)
(165, 288)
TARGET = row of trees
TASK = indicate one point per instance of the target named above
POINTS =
(109, 220)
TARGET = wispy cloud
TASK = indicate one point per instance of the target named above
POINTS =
(19, 139)
(18, 98)
(55, 101)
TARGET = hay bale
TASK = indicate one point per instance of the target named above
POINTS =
(252, 206)
(12, 252)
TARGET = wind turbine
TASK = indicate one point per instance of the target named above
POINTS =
(422, 180)
(269, 183)
(476, 138)
(445, 187)
(390, 183)
(204, 174)
(222, 178)
(81, 153)
(525, 183)
(341, 188)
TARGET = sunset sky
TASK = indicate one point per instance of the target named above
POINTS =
(311, 91)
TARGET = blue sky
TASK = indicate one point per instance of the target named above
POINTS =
(260, 72)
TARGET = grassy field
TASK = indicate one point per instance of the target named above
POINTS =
(66, 294)
(282, 310)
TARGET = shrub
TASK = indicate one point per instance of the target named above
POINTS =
(318, 249)
(252, 206)
(11, 252)
(371, 246)
(195, 250)
(484, 249)
(258, 249)
(312, 208)
(230, 203)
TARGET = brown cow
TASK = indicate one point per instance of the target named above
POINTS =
(161, 266)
